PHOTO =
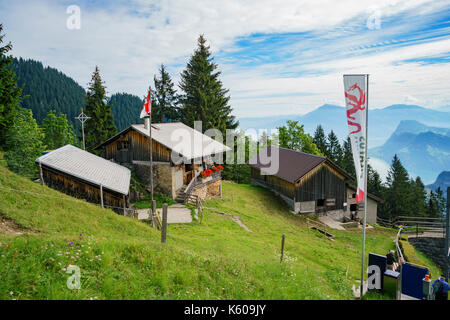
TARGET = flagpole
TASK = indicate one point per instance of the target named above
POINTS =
(151, 151)
(365, 188)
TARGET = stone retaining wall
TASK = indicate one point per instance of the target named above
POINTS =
(434, 248)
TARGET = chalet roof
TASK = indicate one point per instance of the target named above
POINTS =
(88, 167)
(293, 165)
(170, 135)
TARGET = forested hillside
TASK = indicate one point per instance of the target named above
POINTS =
(126, 109)
(45, 89)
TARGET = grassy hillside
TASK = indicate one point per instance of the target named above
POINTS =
(42, 232)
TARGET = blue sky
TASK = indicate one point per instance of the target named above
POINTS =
(285, 58)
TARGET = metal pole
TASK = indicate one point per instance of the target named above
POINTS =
(151, 145)
(365, 189)
(82, 130)
(447, 235)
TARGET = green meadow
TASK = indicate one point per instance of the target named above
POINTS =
(44, 231)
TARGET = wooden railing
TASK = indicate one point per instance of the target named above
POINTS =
(319, 226)
(415, 224)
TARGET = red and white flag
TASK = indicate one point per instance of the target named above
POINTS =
(146, 109)
(356, 101)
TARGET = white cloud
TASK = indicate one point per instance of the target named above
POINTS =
(129, 40)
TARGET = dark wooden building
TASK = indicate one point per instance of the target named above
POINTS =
(180, 154)
(308, 183)
(86, 176)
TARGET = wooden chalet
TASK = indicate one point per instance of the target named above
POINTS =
(181, 156)
(86, 176)
(308, 183)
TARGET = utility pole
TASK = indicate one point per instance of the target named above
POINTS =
(82, 118)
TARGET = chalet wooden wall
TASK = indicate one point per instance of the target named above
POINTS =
(274, 182)
(323, 182)
(78, 189)
(138, 149)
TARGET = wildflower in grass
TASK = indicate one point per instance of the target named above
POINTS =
(70, 243)
(11, 293)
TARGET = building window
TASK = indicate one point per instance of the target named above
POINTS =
(320, 202)
(122, 145)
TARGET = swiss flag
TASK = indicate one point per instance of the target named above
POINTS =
(147, 107)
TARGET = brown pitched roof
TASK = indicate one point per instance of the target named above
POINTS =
(293, 165)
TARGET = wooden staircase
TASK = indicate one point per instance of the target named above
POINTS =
(181, 195)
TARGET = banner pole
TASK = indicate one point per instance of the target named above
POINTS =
(365, 188)
(151, 148)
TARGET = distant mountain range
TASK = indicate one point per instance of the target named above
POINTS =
(382, 122)
(423, 150)
(442, 181)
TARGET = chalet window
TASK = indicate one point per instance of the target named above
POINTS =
(353, 207)
(122, 145)
(320, 202)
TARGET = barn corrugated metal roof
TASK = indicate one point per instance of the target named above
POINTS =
(292, 164)
(89, 167)
(171, 134)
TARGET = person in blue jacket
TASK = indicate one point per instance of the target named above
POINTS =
(440, 289)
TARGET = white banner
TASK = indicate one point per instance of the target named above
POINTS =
(356, 101)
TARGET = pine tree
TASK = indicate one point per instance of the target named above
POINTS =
(374, 184)
(334, 150)
(418, 197)
(100, 126)
(433, 205)
(164, 99)
(24, 143)
(10, 93)
(320, 140)
(57, 131)
(441, 201)
(398, 188)
(203, 96)
(347, 162)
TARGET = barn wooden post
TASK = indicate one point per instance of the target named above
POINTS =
(101, 196)
(153, 213)
(164, 224)
(124, 206)
(40, 173)
(282, 247)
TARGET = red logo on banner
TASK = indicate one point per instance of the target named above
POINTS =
(356, 103)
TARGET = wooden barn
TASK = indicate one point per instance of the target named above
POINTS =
(181, 156)
(309, 184)
(86, 176)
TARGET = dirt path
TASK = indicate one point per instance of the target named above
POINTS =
(174, 214)
(233, 217)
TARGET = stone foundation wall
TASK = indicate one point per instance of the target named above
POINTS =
(434, 248)
(208, 191)
(162, 177)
